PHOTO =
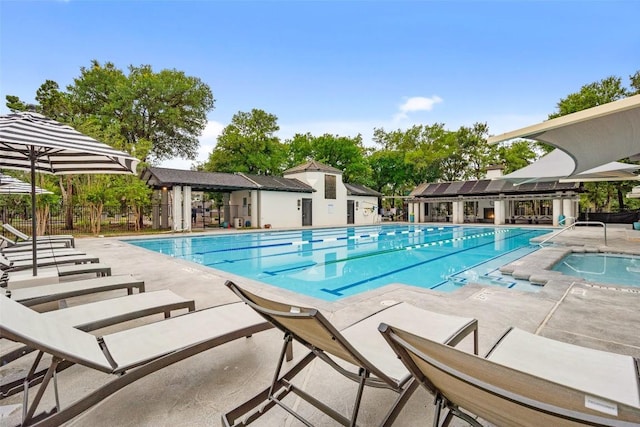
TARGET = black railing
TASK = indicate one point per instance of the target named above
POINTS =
(113, 219)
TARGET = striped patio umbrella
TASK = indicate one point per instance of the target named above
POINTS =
(33, 142)
(11, 185)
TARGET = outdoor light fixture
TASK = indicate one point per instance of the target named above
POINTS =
(299, 203)
(357, 204)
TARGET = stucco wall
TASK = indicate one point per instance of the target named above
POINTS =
(327, 212)
(280, 209)
(366, 210)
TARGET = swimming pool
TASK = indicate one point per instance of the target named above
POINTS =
(602, 267)
(333, 263)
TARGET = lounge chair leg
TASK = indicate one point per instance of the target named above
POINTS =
(287, 342)
(364, 374)
(45, 382)
(399, 403)
(438, 407)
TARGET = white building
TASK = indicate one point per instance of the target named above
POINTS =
(311, 194)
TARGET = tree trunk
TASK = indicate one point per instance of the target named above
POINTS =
(67, 200)
(42, 216)
(95, 216)
(620, 199)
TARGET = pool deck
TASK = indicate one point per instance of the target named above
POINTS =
(195, 392)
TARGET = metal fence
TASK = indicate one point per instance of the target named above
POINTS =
(113, 219)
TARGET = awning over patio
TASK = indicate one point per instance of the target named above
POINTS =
(591, 138)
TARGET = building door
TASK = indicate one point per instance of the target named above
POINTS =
(350, 212)
(306, 212)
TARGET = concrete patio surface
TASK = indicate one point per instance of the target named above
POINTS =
(195, 392)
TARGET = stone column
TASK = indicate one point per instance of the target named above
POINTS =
(499, 212)
(556, 212)
(457, 216)
(164, 208)
(568, 210)
(177, 208)
(186, 208)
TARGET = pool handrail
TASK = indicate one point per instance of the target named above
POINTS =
(572, 226)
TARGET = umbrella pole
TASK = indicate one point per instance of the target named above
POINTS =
(34, 243)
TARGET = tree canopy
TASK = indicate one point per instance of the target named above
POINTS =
(248, 144)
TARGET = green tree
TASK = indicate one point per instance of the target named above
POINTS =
(158, 115)
(591, 95)
(390, 172)
(422, 149)
(516, 155)
(341, 152)
(248, 144)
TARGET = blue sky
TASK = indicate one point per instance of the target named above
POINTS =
(335, 67)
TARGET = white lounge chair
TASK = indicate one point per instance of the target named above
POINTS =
(526, 380)
(13, 246)
(129, 355)
(93, 316)
(42, 294)
(41, 254)
(50, 238)
(370, 361)
(10, 266)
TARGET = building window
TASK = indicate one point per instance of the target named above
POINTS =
(329, 186)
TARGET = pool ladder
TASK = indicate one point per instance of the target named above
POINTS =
(572, 226)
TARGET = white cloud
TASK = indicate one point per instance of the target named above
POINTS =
(416, 103)
(208, 141)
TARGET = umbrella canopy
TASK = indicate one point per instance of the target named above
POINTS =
(33, 142)
(11, 185)
(592, 137)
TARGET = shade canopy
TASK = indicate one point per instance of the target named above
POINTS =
(557, 165)
(33, 142)
(592, 137)
(11, 185)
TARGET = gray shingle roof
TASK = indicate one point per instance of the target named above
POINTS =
(360, 190)
(279, 183)
(313, 166)
(216, 181)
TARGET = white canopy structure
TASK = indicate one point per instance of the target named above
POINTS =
(591, 138)
(557, 165)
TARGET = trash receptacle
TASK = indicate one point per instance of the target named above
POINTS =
(411, 217)
(561, 219)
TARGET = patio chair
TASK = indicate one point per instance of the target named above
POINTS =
(526, 380)
(96, 315)
(13, 246)
(129, 354)
(371, 361)
(26, 264)
(49, 238)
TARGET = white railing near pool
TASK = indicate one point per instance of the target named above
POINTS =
(572, 226)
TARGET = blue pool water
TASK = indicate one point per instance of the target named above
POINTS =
(338, 262)
(603, 268)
